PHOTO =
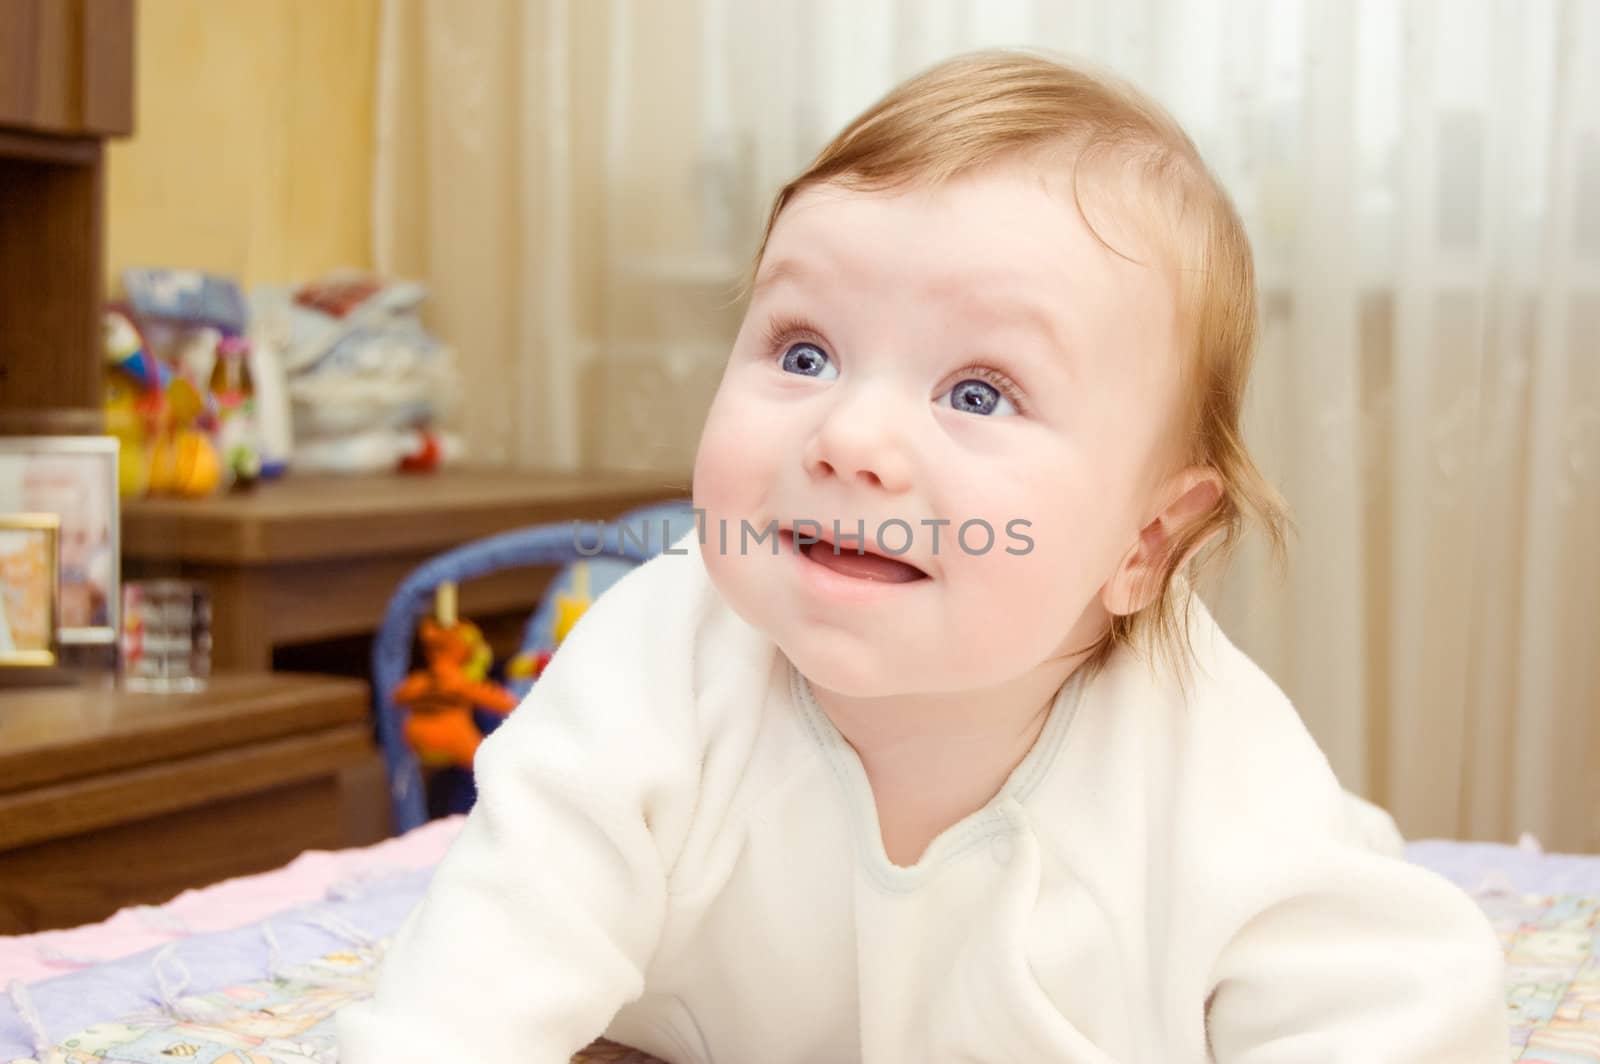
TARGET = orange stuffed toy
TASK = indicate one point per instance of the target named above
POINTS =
(441, 697)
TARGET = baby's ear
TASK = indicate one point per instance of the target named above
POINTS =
(1190, 495)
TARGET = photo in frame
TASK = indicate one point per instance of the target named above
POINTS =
(75, 478)
(29, 572)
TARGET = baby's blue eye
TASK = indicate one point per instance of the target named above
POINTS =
(979, 397)
(809, 360)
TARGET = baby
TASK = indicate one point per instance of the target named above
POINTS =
(919, 749)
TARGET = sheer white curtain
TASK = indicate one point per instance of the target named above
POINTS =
(581, 183)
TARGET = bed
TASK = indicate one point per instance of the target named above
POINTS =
(251, 971)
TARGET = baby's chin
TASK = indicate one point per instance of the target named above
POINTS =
(853, 684)
(861, 674)
(841, 665)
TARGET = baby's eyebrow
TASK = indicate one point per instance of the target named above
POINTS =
(987, 298)
(785, 269)
(991, 301)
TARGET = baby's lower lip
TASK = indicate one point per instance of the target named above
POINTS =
(853, 563)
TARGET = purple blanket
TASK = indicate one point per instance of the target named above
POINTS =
(207, 962)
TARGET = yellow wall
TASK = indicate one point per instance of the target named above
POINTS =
(252, 145)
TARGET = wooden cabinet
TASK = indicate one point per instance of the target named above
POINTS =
(66, 83)
(110, 798)
(66, 66)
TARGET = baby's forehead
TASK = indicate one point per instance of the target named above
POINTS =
(1028, 217)
(994, 238)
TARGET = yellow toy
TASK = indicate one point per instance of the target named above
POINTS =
(569, 607)
(133, 398)
(154, 414)
(183, 460)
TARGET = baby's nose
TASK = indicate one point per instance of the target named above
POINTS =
(870, 476)
(861, 449)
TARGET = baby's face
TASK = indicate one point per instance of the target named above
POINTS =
(915, 361)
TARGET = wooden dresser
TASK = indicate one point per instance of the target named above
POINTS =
(109, 798)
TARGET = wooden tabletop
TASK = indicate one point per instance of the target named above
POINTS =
(50, 735)
(317, 517)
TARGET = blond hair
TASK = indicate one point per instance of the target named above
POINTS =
(994, 106)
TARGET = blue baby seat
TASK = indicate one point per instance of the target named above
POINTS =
(591, 552)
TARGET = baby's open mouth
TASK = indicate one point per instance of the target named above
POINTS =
(847, 559)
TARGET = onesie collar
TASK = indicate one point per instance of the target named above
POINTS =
(1000, 816)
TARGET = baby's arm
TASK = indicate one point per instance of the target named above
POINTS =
(541, 920)
(1372, 961)
(1320, 944)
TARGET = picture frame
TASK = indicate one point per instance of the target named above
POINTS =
(30, 571)
(74, 477)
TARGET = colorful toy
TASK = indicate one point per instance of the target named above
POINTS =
(569, 606)
(441, 697)
(426, 456)
(156, 415)
(183, 460)
(234, 395)
(134, 383)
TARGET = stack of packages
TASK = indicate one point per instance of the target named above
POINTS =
(369, 388)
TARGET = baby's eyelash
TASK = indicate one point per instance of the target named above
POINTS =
(785, 331)
(1008, 387)
(781, 332)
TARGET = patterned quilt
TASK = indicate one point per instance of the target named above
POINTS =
(1553, 974)
(1552, 991)
(284, 1020)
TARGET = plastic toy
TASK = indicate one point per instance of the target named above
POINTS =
(234, 395)
(441, 697)
(425, 458)
(157, 416)
(183, 460)
(569, 606)
(134, 387)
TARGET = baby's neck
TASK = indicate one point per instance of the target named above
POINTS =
(934, 759)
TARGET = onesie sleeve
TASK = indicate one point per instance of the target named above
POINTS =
(1319, 943)
(542, 919)
(1369, 961)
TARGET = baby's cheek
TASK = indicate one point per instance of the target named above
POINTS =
(733, 484)
(1021, 593)
(720, 476)
(721, 498)
(1024, 605)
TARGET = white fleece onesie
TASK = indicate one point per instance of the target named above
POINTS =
(674, 846)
